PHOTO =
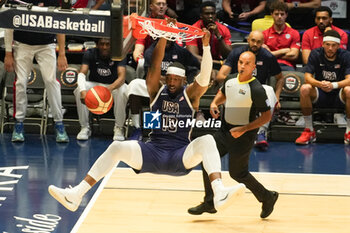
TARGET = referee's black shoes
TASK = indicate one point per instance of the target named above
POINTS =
(202, 208)
(267, 206)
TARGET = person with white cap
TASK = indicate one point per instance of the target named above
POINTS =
(327, 80)
(169, 149)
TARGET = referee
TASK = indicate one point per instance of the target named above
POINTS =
(266, 66)
(243, 98)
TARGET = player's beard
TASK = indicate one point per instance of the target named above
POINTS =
(254, 51)
(331, 57)
(322, 27)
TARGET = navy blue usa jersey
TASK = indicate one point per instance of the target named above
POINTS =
(323, 69)
(101, 70)
(177, 113)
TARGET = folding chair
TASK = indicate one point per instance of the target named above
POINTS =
(36, 95)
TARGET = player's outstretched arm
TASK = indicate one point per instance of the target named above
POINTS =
(196, 89)
(154, 71)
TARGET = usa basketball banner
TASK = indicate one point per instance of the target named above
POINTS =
(51, 20)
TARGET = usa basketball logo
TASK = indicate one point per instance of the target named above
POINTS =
(151, 120)
(292, 83)
(69, 77)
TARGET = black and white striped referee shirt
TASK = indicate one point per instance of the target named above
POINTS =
(244, 100)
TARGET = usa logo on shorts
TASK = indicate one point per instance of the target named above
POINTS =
(151, 120)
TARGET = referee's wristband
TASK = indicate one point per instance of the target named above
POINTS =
(335, 85)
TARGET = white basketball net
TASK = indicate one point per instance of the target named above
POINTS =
(148, 28)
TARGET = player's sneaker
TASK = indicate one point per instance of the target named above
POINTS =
(17, 134)
(347, 138)
(203, 207)
(261, 141)
(84, 133)
(285, 118)
(118, 134)
(226, 196)
(61, 135)
(267, 206)
(306, 137)
(67, 197)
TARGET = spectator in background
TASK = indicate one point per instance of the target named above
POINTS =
(282, 41)
(301, 12)
(103, 72)
(235, 11)
(266, 22)
(327, 81)
(266, 66)
(313, 37)
(220, 43)
(218, 4)
(158, 9)
(42, 46)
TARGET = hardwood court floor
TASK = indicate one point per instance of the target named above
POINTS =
(152, 203)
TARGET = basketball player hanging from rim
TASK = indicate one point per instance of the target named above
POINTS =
(169, 149)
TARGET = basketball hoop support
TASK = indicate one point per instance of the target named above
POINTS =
(116, 32)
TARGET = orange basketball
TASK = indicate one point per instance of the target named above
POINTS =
(99, 100)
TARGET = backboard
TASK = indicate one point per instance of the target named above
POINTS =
(121, 33)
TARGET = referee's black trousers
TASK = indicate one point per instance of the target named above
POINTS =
(239, 150)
